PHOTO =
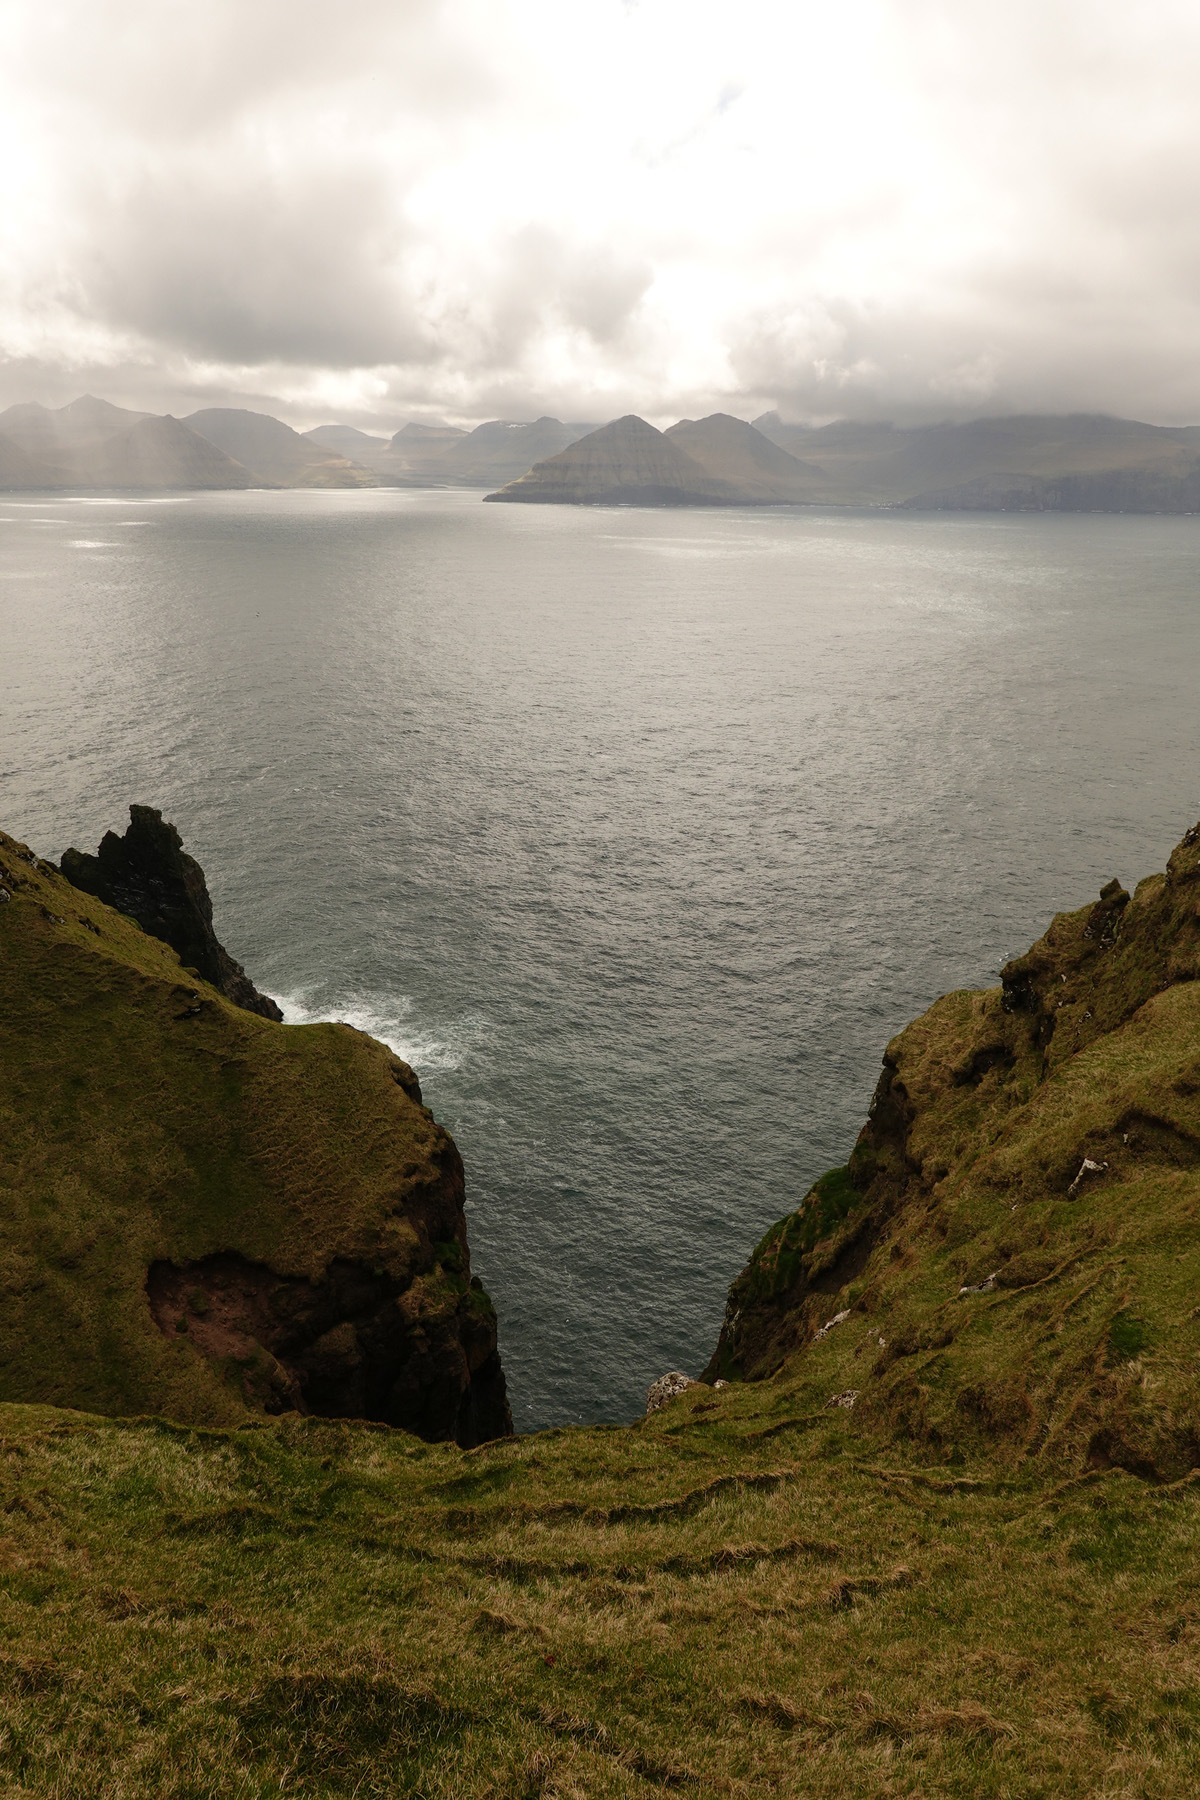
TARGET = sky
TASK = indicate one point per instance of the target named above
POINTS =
(470, 209)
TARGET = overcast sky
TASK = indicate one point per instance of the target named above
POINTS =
(467, 209)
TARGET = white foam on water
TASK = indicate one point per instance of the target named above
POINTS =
(92, 543)
(385, 1019)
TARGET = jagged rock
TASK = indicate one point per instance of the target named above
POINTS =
(667, 1388)
(148, 875)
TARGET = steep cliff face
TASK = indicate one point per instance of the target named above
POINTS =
(1013, 1249)
(148, 875)
(203, 1211)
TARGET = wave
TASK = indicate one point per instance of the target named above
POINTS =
(383, 1018)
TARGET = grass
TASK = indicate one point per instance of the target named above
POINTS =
(714, 1601)
(960, 1283)
(143, 1117)
(941, 1542)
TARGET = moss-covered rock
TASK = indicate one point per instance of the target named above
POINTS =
(204, 1211)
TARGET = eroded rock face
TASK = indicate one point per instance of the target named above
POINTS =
(356, 1345)
(148, 875)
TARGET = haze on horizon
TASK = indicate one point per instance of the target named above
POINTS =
(475, 208)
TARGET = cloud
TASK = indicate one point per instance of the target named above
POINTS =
(906, 208)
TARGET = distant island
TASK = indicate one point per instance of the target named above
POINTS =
(1081, 462)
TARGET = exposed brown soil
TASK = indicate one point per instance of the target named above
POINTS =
(351, 1346)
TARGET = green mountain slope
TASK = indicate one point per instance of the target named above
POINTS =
(204, 1212)
(1010, 1262)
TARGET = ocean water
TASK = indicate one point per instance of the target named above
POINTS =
(639, 833)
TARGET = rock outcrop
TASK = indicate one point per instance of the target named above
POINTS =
(207, 1213)
(626, 463)
(1013, 1248)
(668, 1387)
(148, 875)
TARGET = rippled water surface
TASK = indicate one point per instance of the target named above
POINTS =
(639, 833)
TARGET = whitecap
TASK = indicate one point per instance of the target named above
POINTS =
(382, 1018)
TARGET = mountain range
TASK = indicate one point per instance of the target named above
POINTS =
(1033, 463)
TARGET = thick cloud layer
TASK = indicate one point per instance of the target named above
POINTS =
(905, 208)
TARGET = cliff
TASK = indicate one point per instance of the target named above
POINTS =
(208, 1214)
(1172, 487)
(625, 463)
(947, 1548)
(1010, 1259)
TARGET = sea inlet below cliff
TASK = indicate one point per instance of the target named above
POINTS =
(638, 832)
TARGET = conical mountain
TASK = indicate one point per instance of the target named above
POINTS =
(625, 463)
(157, 453)
(272, 450)
(348, 441)
(733, 451)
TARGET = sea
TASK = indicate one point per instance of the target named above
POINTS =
(638, 832)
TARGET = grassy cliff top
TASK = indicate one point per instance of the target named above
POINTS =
(146, 1119)
(1010, 1263)
(942, 1543)
(723, 1600)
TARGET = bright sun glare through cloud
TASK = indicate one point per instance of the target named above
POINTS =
(909, 208)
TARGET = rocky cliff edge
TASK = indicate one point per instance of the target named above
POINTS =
(205, 1213)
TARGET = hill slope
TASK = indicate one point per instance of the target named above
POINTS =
(206, 1213)
(155, 453)
(1010, 1261)
(348, 441)
(735, 452)
(943, 1542)
(986, 463)
(503, 451)
(714, 1602)
(625, 463)
(276, 453)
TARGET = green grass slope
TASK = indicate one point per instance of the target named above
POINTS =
(718, 1601)
(145, 1120)
(942, 1544)
(969, 1284)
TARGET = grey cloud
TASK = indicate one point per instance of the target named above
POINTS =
(252, 267)
(237, 217)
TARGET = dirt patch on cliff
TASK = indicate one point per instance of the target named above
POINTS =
(355, 1344)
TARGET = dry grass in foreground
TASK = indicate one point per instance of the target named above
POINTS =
(714, 1601)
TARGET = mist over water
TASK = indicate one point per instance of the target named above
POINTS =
(639, 833)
